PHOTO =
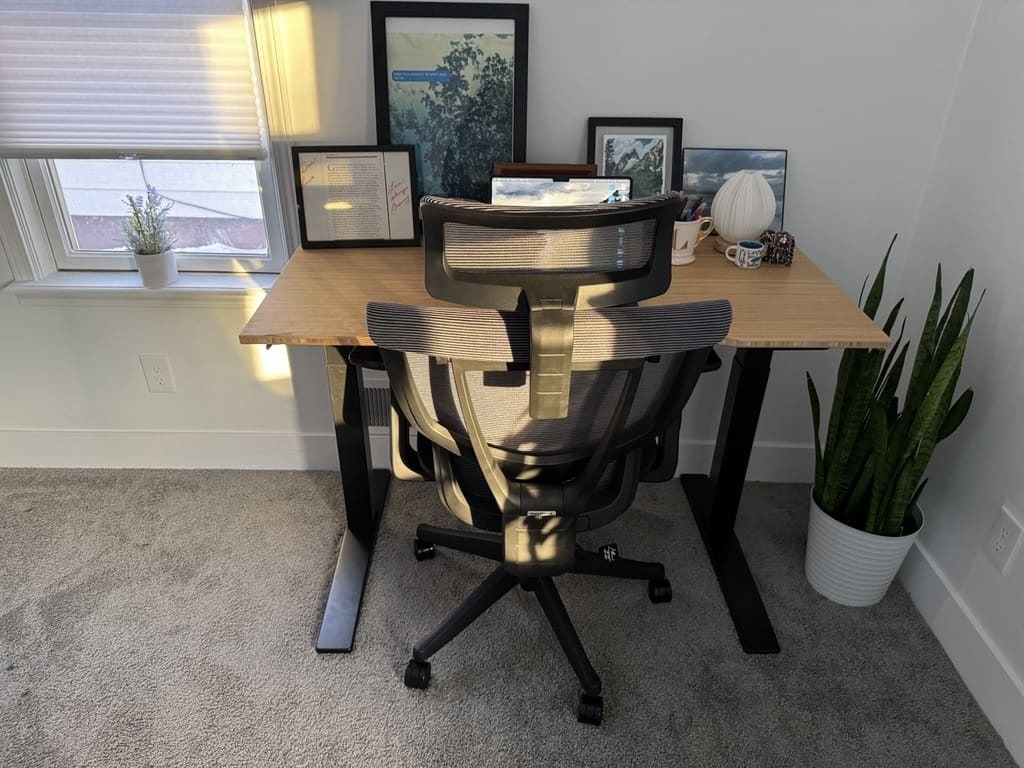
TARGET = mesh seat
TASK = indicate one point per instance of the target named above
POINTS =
(543, 394)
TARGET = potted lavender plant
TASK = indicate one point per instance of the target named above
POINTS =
(146, 234)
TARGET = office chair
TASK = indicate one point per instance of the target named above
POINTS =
(539, 400)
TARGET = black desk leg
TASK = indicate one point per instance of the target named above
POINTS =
(715, 499)
(364, 489)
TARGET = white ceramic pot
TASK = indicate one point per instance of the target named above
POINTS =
(157, 269)
(744, 206)
(850, 566)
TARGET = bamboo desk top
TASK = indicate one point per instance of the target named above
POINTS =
(320, 299)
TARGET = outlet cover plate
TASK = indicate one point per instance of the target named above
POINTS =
(1004, 540)
(157, 369)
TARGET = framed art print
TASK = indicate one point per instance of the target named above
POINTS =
(705, 171)
(647, 149)
(356, 196)
(450, 79)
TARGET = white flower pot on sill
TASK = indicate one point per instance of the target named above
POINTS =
(850, 566)
(157, 269)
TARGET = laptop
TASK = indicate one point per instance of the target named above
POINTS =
(552, 191)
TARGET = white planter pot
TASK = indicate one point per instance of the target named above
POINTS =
(157, 269)
(850, 566)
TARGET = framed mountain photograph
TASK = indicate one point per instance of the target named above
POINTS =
(647, 149)
(450, 79)
(705, 170)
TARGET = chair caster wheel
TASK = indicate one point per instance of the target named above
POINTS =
(609, 552)
(590, 709)
(659, 590)
(526, 585)
(417, 674)
(422, 549)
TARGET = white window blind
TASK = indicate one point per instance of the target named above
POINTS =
(108, 78)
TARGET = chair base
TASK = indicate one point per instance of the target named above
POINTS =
(605, 562)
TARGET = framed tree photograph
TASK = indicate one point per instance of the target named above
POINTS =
(706, 170)
(450, 79)
(647, 149)
(353, 197)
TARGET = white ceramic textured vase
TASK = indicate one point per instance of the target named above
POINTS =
(157, 269)
(850, 566)
(744, 207)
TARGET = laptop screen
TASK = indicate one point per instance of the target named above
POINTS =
(514, 190)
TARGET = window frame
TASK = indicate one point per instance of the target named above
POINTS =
(42, 178)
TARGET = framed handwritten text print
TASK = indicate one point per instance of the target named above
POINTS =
(356, 196)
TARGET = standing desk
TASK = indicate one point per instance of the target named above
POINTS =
(320, 299)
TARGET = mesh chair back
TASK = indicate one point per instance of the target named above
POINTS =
(550, 261)
(601, 255)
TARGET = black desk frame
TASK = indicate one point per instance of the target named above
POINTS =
(365, 491)
(714, 499)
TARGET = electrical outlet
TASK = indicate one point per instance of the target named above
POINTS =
(1004, 539)
(157, 368)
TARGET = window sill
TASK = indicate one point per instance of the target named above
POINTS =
(125, 289)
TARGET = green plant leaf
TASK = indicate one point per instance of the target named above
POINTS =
(850, 366)
(892, 517)
(890, 321)
(878, 286)
(886, 390)
(930, 417)
(920, 373)
(840, 475)
(847, 365)
(956, 414)
(819, 466)
(880, 443)
(857, 466)
(956, 312)
(855, 505)
(891, 355)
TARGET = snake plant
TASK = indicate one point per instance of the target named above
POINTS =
(870, 471)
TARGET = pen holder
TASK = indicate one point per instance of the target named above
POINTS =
(778, 247)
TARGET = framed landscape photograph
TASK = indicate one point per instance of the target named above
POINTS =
(647, 149)
(705, 171)
(355, 196)
(450, 79)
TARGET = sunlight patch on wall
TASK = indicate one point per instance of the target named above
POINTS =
(284, 33)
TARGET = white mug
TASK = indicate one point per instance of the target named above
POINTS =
(686, 235)
(745, 254)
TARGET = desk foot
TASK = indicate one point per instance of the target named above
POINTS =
(753, 627)
(338, 627)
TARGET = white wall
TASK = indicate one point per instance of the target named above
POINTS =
(972, 217)
(856, 91)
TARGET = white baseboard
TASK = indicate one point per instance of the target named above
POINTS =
(110, 448)
(988, 674)
(769, 462)
(773, 462)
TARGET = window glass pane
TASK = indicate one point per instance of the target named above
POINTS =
(217, 208)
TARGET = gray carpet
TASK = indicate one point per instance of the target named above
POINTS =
(167, 618)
